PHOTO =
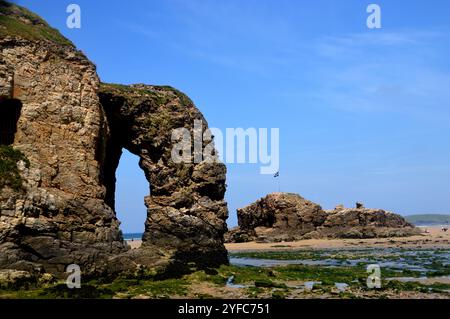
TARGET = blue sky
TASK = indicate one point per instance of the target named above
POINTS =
(364, 115)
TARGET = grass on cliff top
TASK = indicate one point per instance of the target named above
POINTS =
(9, 172)
(157, 91)
(20, 22)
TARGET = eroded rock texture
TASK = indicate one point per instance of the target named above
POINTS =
(186, 210)
(361, 222)
(278, 216)
(64, 213)
(287, 217)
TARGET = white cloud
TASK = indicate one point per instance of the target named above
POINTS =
(397, 72)
(358, 43)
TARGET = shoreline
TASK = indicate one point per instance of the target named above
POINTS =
(435, 238)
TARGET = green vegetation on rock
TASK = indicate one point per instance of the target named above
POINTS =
(276, 282)
(434, 261)
(9, 172)
(161, 94)
(18, 21)
(184, 99)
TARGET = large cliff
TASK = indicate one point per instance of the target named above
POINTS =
(69, 131)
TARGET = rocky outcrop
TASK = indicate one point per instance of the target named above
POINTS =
(71, 131)
(288, 217)
(361, 222)
(277, 217)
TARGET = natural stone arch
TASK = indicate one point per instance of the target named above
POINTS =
(64, 212)
(186, 211)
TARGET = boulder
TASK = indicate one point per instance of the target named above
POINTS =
(364, 223)
(279, 217)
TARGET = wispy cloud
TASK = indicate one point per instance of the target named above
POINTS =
(244, 36)
(397, 72)
(374, 71)
(410, 169)
(355, 44)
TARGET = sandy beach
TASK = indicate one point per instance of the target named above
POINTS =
(136, 243)
(433, 238)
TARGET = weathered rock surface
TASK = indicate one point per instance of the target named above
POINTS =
(72, 131)
(287, 217)
(186, 210)
(364, 223)
(278, 216)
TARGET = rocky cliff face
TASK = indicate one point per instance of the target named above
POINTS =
(72, 131)
(287, 217)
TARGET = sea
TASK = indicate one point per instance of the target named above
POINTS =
(132, 236)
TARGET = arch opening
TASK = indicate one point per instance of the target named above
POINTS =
(9, 116)
(131, 188)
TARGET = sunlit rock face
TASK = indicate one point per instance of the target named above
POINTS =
(287, 217)
(186, 211)
(71, 130)
(361, 222)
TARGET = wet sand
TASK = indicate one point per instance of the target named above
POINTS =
(134, 243)
(435, 238)
(423, 280)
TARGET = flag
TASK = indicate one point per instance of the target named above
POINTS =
(276, 174)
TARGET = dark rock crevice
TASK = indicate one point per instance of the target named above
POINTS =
(9, 116)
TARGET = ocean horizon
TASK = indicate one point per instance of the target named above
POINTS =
(130, 236)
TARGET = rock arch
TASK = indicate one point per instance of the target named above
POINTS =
(186, 211)
(72, 130)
